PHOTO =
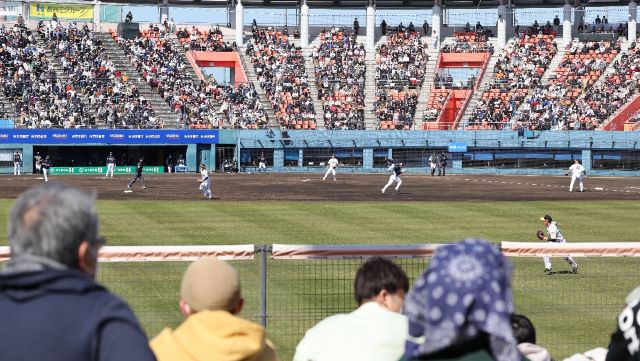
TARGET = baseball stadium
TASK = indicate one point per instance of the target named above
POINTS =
(327, 134)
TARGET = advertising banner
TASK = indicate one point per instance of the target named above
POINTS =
(103, 170)
(9, 8)
(108, 136)
(62, 11)
(457, 147)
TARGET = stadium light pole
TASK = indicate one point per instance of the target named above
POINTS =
(304, 24)
(239, 24)
(632, 24)
(566, 24)
(436, 24)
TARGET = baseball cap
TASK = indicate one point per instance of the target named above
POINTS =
(546, 218)
(210, 284)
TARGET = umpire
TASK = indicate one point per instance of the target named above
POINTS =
(442, 164)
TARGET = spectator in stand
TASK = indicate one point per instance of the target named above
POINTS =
(50, 304)
(129, 17)
(383, 27)
(525, 335)
(425, 28)
(461, 306)
(210, 300)
(376, 331)
(556, 21)
(356, 26)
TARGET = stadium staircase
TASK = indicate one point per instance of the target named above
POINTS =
(189, 67)
(427, 85)
(57, 67)
(476, 95)
(251, 76)
(370, 120)
(624, 46)
(9, 109)
(121, 62)
(313, 89)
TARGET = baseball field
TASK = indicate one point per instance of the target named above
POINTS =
(572, 313)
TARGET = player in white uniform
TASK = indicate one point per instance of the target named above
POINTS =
(396, 171)
(555, 236)
(331, 168)
(111, 163)
(205, 182)
(432, 163)
(577, 172)
(17, 164)
(262, 163)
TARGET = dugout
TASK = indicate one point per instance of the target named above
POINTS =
(85, 150)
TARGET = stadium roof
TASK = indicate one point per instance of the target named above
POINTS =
(386, 4)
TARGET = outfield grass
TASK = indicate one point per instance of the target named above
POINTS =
(572, 313)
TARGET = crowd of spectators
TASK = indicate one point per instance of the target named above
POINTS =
(116, 100)
(519, 68)
(42, 99)
(280, 69)
(162, 66)
(400, 68)
(340, 70)
(197, 40)
(619, 87)
(558, 104)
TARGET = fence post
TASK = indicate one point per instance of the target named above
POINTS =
(262, 316)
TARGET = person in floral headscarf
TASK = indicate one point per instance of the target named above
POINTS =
(461, 306)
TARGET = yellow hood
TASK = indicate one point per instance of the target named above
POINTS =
(213, 336)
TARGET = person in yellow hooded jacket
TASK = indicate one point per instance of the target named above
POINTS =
(210, 299)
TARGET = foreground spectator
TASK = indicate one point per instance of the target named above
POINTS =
(525, 334)
(625, 341)
(210, 299)
(461, 307)
(50, 305)
(375, 331)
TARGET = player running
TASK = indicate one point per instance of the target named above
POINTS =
(45, 165)
(554, 236)
(111, 164)
(396, 170)
(205, 182)
(577, 172)
(331, 167)
(138, 175)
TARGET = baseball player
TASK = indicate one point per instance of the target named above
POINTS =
(262, 164)
(45, 164)
(577, 172)
(138, 175)
(442, 164)
(17, 163)
(433, 159)
(38, 162)
(205, 182)
(554, 236)
(396, 170)
(331, 167)
(111, 164)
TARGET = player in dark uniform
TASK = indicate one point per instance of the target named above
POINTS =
(396, 170)
(111, 164)
(45, 165)
(442, 164)
(138, 175)
(17, 164)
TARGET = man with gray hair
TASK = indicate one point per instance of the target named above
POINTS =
(50, 304)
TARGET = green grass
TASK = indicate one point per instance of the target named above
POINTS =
(571, 313)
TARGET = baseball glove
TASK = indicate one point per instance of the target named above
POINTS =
(540, 235)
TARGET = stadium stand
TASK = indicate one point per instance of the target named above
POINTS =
(520, 68)
(208, 40)
(41, 97)
(116, 101)
(558, 104)
(340, 75)
(280, 68)
(163, 67)
(400, 71)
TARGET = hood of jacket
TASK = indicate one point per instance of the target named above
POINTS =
(25, 286)
(214, 335)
